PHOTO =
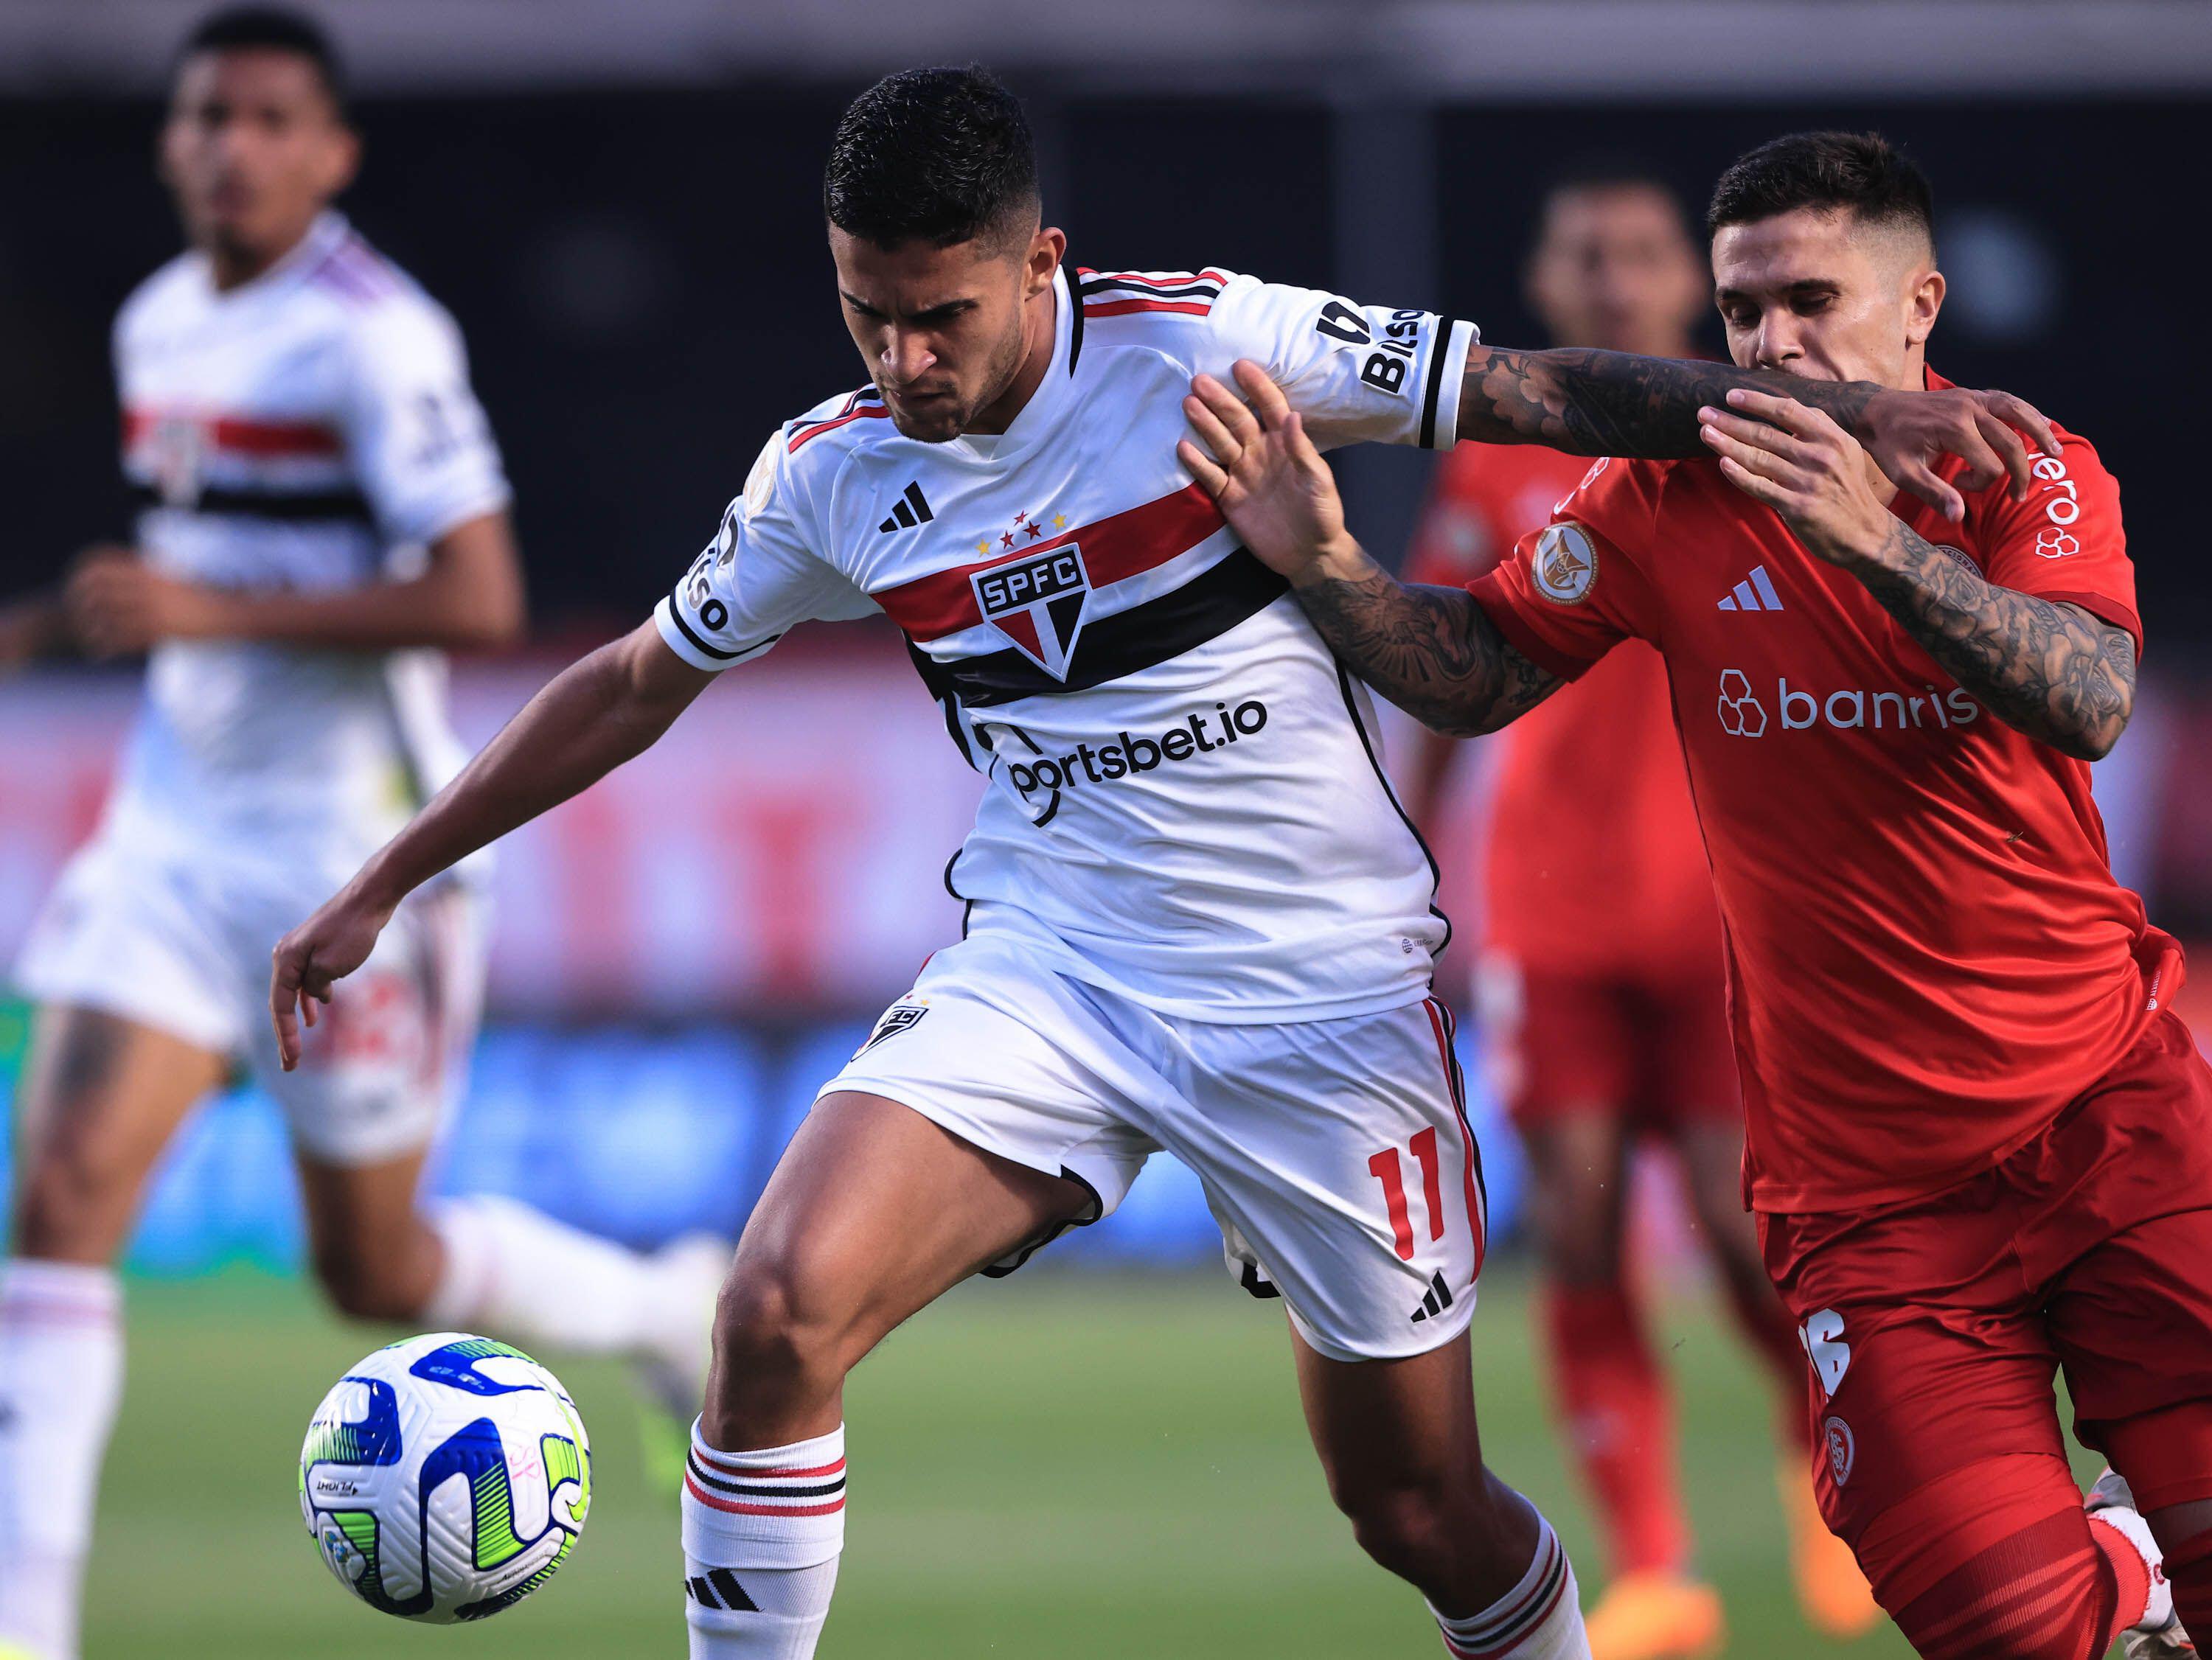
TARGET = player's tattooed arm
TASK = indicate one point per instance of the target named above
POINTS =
(2048, 668)
(1432, 651)
(1612, 403)
(2051, 669)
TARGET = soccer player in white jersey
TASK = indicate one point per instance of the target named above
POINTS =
(322, 503)
(1197, 920)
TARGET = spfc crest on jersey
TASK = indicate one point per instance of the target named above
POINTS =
(1037, 603)
(900, 1016)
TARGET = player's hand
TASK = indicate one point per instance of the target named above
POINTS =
(1812, 472)
(1263, 472)
(118, 604)
(1907, 433)
(313, 957)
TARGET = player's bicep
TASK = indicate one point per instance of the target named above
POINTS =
(1522, 682)
(420, 444)
(2066, 543)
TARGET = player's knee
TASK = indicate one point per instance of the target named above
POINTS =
(74, 1202)
(774, 1327)
(361, 1283)
(1407, 1530)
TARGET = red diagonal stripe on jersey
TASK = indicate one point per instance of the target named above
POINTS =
(831, 426)
(241, 436)
(1123, 307)
(1086, 272)
(1122, 545)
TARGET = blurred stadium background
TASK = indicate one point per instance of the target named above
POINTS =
(620, 204)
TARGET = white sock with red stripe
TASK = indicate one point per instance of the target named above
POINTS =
(1539, 1618)
(61, 1377)
(761, 1532)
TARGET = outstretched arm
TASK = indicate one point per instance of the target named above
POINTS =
(1611, 404)
(594, 716)
(2048, 668)
(1432, 651)
(468, 594)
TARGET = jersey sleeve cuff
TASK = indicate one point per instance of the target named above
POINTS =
(695, 648)
(2102, 606)
(1530, 644)
(426, 528)
(1447, 373)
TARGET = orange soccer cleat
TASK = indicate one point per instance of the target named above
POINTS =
(1832, 1592)
(1656, 1616)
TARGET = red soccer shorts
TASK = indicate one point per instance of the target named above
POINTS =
(1934, 1325)
(1653, 1047)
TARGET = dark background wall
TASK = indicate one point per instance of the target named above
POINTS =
(642, 280)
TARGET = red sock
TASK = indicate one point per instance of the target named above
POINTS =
(1764, 1324)
(2046, 1592)
(2189, 1571)
(2130, 1574)
(1612, 1405)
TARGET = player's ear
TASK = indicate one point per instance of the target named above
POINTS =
(1046, 248)
(1922, 302)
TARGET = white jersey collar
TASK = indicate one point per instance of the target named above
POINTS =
(325, 233)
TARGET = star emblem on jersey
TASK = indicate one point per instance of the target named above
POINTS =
(1755, 593)
(1036, 603)
(1565, 564)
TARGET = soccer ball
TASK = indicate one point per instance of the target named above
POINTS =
(446, 1477)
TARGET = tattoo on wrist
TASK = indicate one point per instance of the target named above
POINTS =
(1430, 651)
(2050, 669)
(1612, 403)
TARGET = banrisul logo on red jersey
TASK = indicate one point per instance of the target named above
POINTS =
(1748, 710)
(1037, 603)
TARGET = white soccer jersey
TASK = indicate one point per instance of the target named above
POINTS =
(310, 430)
(1187, 804)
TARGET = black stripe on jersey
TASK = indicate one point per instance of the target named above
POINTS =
(1435, 392)
(1210, 605)
(1190, 291)
(283, 506)
(1435, 874)
(1074, 328)
(707, 648)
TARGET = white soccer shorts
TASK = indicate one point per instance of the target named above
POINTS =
(182, 945)
(1336, 1154)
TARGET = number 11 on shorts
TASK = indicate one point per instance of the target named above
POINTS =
(1388, 1169)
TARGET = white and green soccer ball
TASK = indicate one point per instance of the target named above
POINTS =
(446, 1478)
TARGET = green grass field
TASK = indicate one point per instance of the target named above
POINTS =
(1064, 1465)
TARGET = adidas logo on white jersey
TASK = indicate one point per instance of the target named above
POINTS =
(912, 510)
(1755, 593)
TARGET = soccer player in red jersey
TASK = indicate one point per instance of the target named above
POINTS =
(1979, 1142)
(1601, 986)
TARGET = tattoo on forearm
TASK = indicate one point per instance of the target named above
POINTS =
(2051, 669)
(1430, 651)
(1611, 404)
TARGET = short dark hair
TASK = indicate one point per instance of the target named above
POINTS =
(1859, 172)
(1607, 170)
(270, 29)
(939, 156)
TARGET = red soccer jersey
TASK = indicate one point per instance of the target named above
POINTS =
(1928, 955)
(1565, 890)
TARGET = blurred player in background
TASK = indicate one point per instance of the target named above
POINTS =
(1197, 921)
(322, 507)
(1601, 986)
(1978, 1139)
